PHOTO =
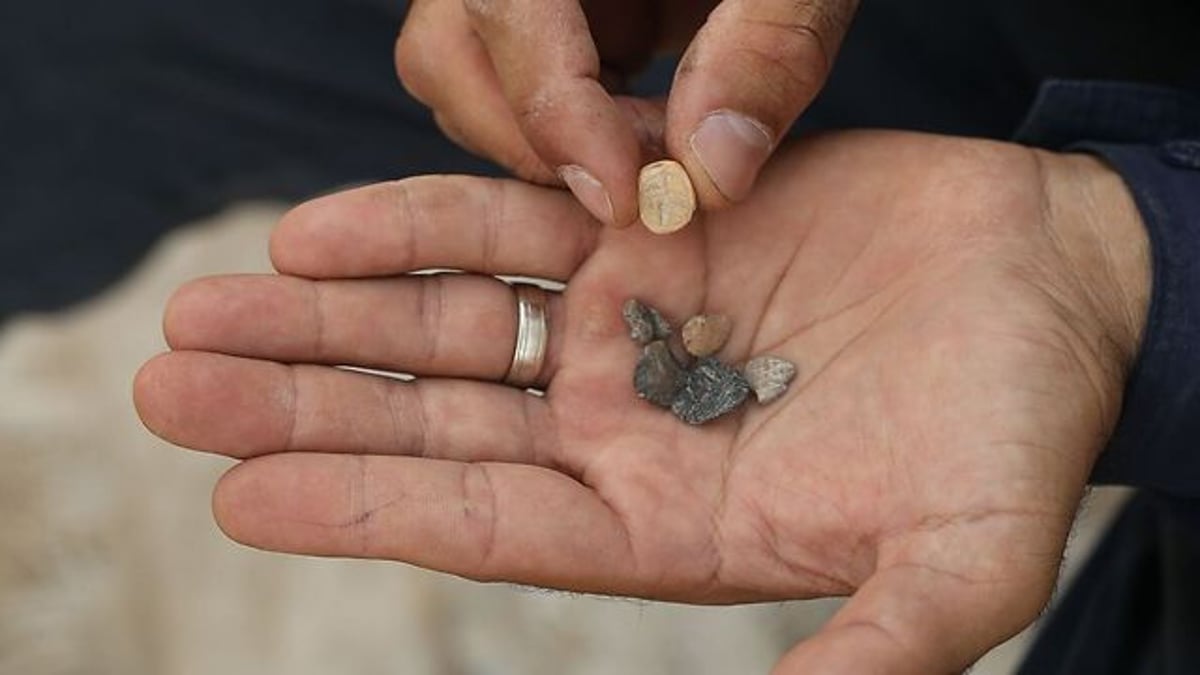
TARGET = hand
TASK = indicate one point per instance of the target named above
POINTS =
(520, 81)
(962, 313)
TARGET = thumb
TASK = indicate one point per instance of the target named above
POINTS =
(916, 620)
(751, 70)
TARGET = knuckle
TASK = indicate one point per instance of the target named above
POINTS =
(529, 166)
(481, 517)
(794, 51)
(789, 76)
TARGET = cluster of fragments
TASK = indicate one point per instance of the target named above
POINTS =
(682, 373)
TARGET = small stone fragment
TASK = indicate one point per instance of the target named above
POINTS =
(645, 323)
(705, 334)
(709, 390)
(769, 376)
(682, 357)
(657, 377)
(666, 199)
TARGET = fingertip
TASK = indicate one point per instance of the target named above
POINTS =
(146, 393)
(184, 313)
(297, 238)
(724, 155)
(576, 127)
(292, 503)
(589, 191)
(233, 500)
(748, 74)
(334, 233)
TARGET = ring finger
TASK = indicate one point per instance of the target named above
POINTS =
(441, 325)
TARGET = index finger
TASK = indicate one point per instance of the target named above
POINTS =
(549, 70)
(481, 225)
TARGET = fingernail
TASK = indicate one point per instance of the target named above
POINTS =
(589, 191)
(732, 148)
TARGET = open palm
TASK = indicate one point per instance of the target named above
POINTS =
(957, 378)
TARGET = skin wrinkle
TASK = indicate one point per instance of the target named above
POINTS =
(781, 70)
(769, 536)
(476, 481)
(635, 561)
(715, 550)
(586, 246)
(388, 398)
(849, 343)
(937, 522)
(1078, 274)
(774, 288)
(495, 216)
(1133, 322)
(875, 626)
(358, 504)
(420, 418)
(408, 211)
(293, 405)
(431, 307)
(548, 98)
(1069, 334)
(1040, 449)
(320, 319)
(803, 32)
(535, 432)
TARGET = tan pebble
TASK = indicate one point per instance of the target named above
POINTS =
(666, 199)
(769, 376)
(705, 334)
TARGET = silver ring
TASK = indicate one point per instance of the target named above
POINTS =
(533, 334)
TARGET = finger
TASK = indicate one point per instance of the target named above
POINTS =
(752, 68)
(445, 325)
(442, 63)
(549, 71)
(475, 224)
(484, 521)
(245, 407)
(917, 620)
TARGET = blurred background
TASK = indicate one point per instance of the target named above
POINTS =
(145, 143)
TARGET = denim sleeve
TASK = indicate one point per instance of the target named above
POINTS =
(1151, 136)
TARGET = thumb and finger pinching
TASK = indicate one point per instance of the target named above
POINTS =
(748, 74)
(549, 69)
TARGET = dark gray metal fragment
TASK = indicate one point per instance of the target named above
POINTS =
(709, 390)
(645, 323)
(657, 377)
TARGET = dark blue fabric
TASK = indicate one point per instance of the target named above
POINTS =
(1136, 607)
(1150, 135)
(1157, 442)
(1132, 611)
(122, 119)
